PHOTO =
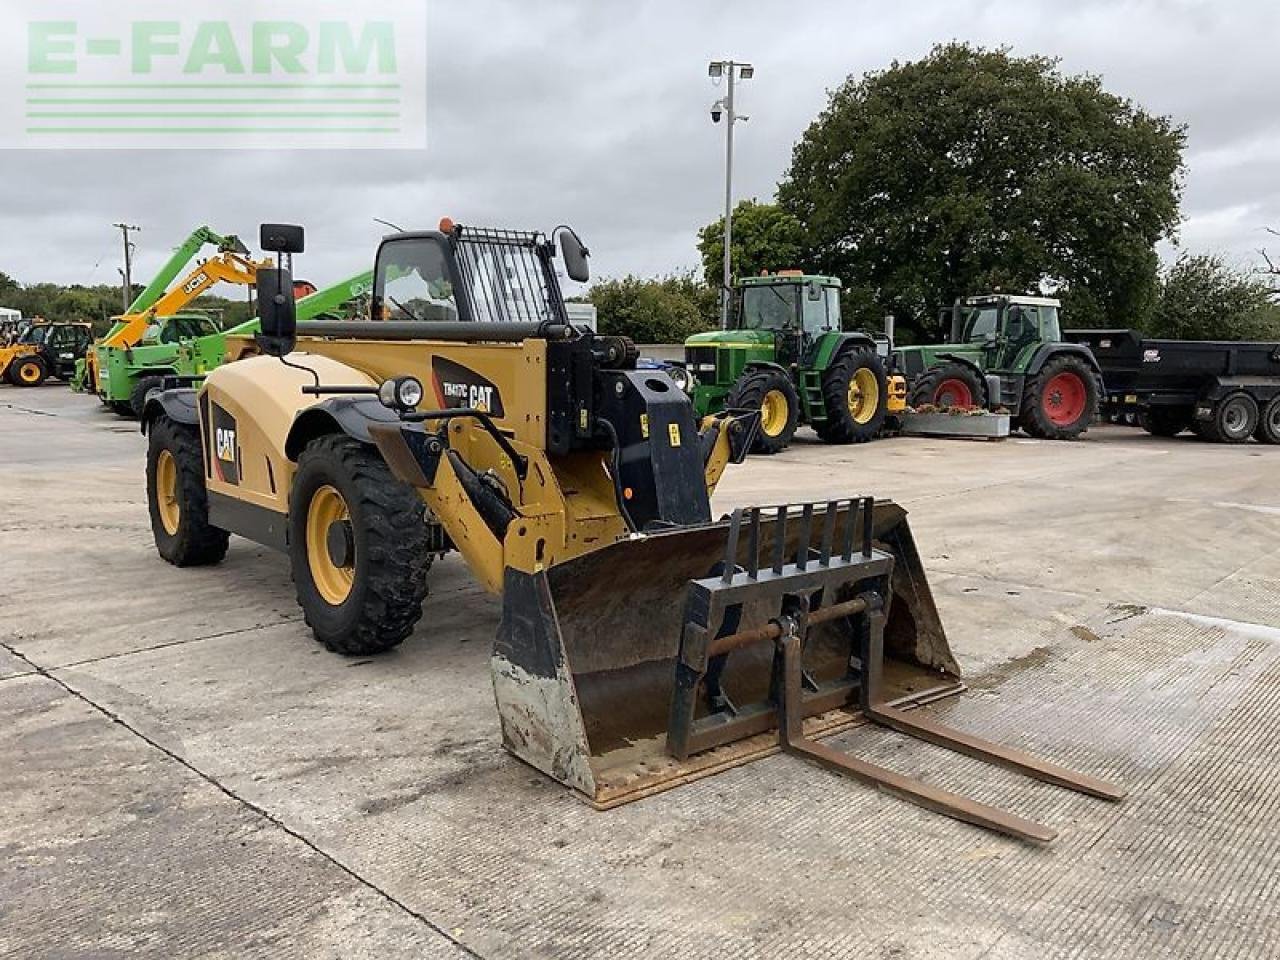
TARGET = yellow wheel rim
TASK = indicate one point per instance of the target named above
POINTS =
(28, 373)
(864, 395)
(774, 413)
(167, 492)
(333, 582)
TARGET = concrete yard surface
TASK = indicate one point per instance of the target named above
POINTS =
(185, 773)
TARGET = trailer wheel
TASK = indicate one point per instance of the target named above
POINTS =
(774, 395)
(27, 372)
(1234, 419)
(1269, 423)
(358, 547)
(177, 499)
(1165, 421)
(949, 385)
(1061, 400)
(855, 393)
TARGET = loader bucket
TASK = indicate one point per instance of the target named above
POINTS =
(671, 656)
(589, 671)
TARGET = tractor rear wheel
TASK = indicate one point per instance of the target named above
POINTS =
(138, 395)
(358, 547)
(855, 391)
(28, 372)
(1234, 420)
(177, 498)
(1269, 423)
(949, 385)
(1165, 421)
(1061, 400)
(774, 395)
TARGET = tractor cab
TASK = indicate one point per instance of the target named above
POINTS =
(793, 310)
(1005, 325)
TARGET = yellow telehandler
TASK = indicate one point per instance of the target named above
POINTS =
(642, 643)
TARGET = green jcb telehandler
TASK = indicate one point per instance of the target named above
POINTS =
(786, 355)
(1007, 352)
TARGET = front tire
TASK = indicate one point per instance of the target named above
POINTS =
(774, 395)
(28, 372)
(949, 385)
(177, 498)
(1061, 400)
(358, 547)
(855, 391)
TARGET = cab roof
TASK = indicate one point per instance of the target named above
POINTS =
(787, 278)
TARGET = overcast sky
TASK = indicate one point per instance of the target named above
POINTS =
(595, 112)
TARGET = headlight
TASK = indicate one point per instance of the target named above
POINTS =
(681, 378)
(401, 393)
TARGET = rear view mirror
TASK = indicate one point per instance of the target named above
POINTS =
(277, 312)
(575, 257)
(815, 291)
(283, 238)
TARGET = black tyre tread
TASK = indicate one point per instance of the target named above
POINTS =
(749, 393)
(840, 427)
(1211, 429)
(138, 395)
(1264, 433)
(1165, 421)
(1031, 418)
(927, 385)
(20, 362)
(197, 542)
(396, 546)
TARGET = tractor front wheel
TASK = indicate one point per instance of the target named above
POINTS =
(358, 547)
(1061, 400)
(28, 372)
(855, 391)
(949, 385)
(774, 395)
(177, 499)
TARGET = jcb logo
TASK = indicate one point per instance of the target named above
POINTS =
(195, 283)
(225, 444)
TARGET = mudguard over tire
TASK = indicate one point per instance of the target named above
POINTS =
(177, 499)
(855, 392)
(774, 395)
(1061, 400)
(358, 547)
(949, 385)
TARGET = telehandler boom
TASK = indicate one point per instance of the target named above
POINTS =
(642, 644)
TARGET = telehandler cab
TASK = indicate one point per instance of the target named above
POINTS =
(642, 644)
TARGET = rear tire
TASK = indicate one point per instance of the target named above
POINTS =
(774, 395)
(177, 498)
(358, 547)
(1234, 420)
(1269, 423)
(1165, 421)
(949, 385)
(27, 372)
(853, 416)
(1061, 400)
(138, 395)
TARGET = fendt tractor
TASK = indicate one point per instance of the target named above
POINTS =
(44, 350)
(642, 643)
(1007, 352)
(786, 354)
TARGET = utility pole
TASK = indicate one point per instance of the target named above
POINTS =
(128, 263)
(716, 70)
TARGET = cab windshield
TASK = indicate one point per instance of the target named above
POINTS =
(769, 307)
(980, 322)
(34, 335)
(414, 284)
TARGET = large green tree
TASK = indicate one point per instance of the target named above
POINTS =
(765, 237)
(665, 310)
(973, 169)
(1201, 298)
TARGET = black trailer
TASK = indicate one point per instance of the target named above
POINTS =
(1224, 391)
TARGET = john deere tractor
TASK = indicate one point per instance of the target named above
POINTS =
(786, 355)
(1007, 351)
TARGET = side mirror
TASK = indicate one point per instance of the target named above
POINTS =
(575, 256)
(277, 312)
(815, 291)
(283, 238)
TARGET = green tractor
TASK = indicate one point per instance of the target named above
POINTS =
(1007, 352)
(786, 355)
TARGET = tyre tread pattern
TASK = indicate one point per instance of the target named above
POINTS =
(1032, 417)
(840, 427)
(197, 542)
(748, 393)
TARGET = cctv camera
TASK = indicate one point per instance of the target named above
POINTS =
(715, 114)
